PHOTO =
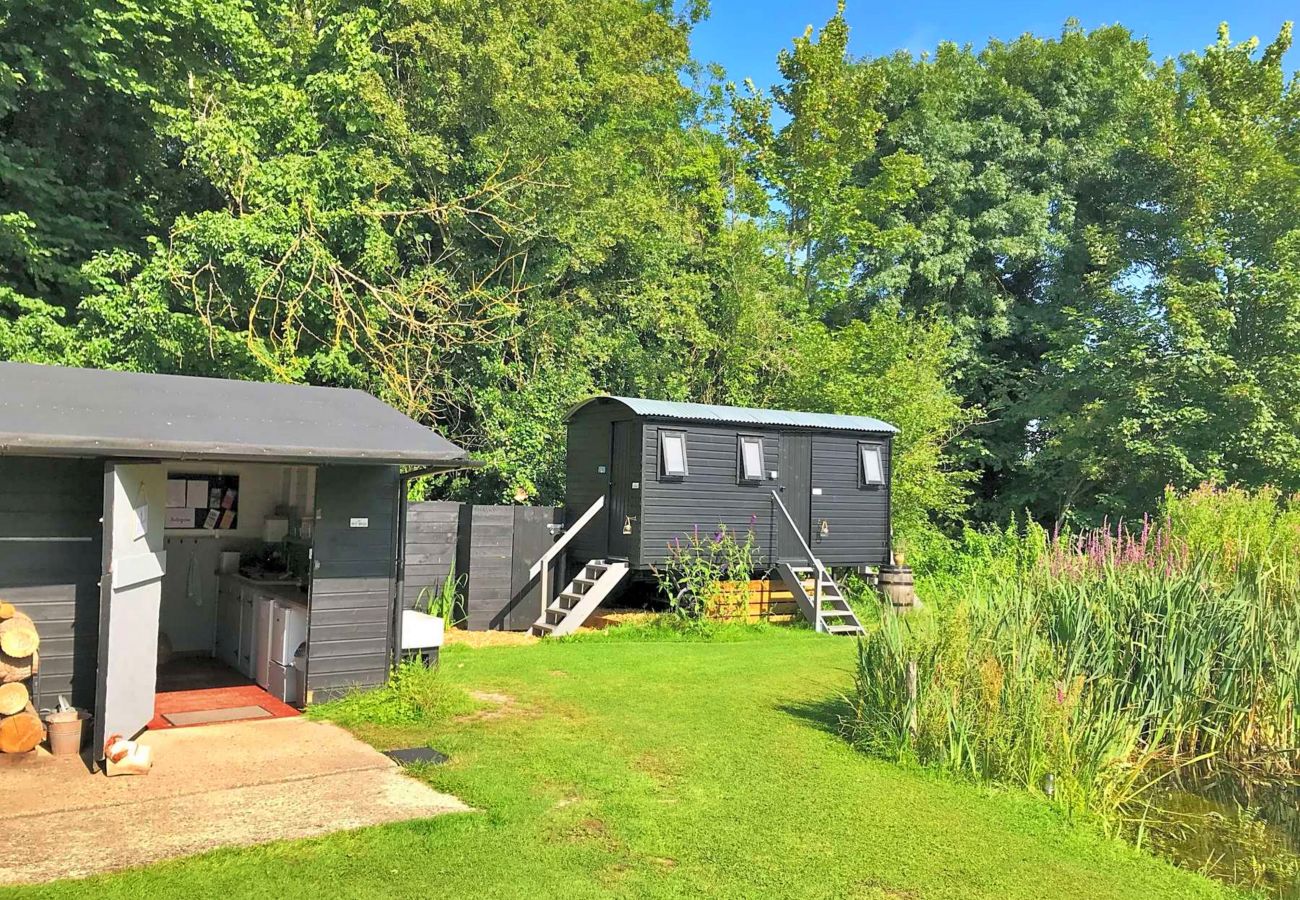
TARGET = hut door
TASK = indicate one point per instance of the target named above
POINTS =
(130, 592)
(796, 494)
(623, 530)
(353, 588)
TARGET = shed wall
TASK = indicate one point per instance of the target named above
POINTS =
(353, 578)
(858, 516)
(710, 494)
(55, 578)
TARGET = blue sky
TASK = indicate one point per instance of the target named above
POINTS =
(744, 36)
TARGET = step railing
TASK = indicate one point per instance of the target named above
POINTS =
(819, 571)
(543, 565)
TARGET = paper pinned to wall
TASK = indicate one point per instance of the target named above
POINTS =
(180, 518)
(196, 493)
(140, 522)
(211, 521)
(175, 492)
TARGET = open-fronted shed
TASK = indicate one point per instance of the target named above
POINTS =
(152, 516)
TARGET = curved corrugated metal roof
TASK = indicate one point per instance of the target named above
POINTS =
(91, 412)
(741, 415)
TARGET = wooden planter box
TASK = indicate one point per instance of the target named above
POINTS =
(769, 601)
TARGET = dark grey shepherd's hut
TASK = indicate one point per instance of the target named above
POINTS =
(814, 488)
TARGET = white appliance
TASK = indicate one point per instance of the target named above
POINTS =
(288, 633)
(264, 608)
(421, 631)
(275, 529)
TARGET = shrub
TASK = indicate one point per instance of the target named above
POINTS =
(707, 574)
(444, 602)
(413, 695)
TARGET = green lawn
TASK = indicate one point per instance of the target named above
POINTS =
(673, 769)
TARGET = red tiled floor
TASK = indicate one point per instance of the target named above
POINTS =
(215, 698)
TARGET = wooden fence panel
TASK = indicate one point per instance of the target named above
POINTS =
(432, 534)
(491, 548)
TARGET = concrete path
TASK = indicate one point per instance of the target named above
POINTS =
(212, 786)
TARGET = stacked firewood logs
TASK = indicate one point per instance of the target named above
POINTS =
(21, 728)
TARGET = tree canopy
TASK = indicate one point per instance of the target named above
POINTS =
(1069, 272)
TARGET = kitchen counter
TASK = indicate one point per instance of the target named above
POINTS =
(280, 588)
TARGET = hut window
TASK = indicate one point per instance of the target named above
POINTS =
(872, 466)
(751, 458)
(672, 454)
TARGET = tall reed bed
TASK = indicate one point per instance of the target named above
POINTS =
(1088, 664)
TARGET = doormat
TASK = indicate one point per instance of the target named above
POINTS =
(416, 755)
(209, 716)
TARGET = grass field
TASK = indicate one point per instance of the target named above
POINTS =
(667, 769)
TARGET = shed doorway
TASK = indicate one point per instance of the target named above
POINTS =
(234, 609)
(796, 493)
(622, 471)
(204, 593)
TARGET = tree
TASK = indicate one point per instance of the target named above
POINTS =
(895, 367)
(1104, 237)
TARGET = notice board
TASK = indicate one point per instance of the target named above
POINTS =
(202, 502)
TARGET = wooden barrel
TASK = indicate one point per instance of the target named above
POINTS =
(896, 585)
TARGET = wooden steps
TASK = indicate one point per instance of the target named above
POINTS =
(827, 610)
(571, 607)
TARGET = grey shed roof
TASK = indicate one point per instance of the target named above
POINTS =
(742, 415)
(47, 410)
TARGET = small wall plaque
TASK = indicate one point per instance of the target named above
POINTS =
(359, 523)
(636, 485)
(817, 492)
(601, 470)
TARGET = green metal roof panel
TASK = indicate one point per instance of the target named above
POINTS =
(48, 410)
(742, 415)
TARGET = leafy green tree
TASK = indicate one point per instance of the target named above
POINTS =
(481, 212)
(895, 367)
(1104, 236)
(1184, 367)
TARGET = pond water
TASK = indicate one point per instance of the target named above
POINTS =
(1239, 829)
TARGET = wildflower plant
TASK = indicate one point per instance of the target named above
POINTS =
(707, 572)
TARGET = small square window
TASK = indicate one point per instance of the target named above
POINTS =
(872, 465)
(672, 454)
(751, 458)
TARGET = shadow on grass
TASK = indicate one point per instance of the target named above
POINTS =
(826, 714)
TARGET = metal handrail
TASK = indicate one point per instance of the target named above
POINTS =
(543, 565)
(817, 563)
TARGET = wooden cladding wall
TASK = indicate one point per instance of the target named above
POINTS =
(50, 560)
(432, 531)
(492, 549)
